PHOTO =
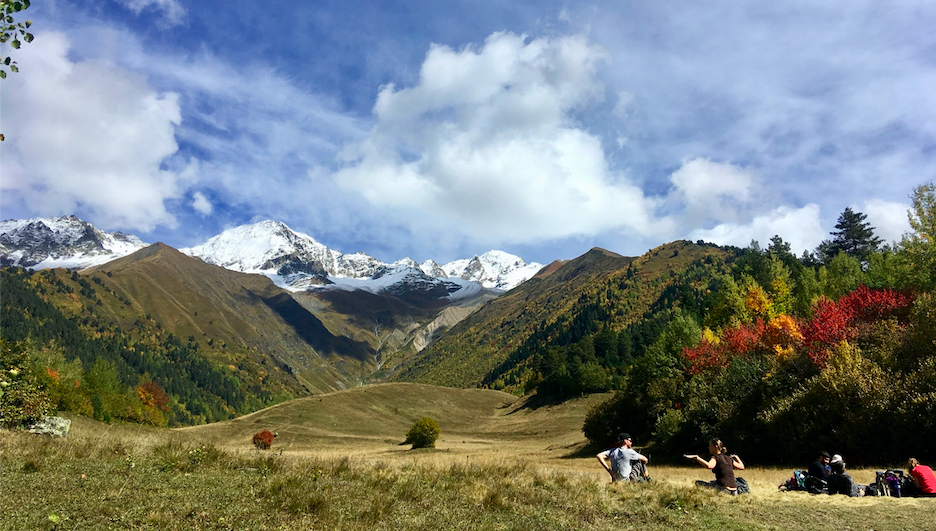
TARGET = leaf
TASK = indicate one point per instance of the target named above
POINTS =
(2, 74)
(6, 61)
(15, 44)
(14, 68)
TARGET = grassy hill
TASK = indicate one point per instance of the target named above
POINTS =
(565, 303)
(502, 464)
(474, 347)
(214, 304)
(374, 420)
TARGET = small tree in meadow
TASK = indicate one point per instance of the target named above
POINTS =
(423, 434)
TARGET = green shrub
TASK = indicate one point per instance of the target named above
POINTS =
(22, 396)
(423, 434)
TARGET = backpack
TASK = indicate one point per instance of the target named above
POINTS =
(743, 487)
(815, 485)
(796, 482)
(889, 482)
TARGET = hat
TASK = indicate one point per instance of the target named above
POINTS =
(836, 459)
(824, 454)
(623, 436)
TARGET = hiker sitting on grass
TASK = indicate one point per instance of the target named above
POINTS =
(922, 479)
(722, 465)
(841, 482)
(623, 462)
(818, 474)
(820, 467)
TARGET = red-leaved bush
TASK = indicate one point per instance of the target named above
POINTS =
(151, 394)
(834, 322)
(830, 325)
(743, 339)
(869, 304)
(263, 440)
(703, 356)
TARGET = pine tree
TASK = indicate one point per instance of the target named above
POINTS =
(853, 236)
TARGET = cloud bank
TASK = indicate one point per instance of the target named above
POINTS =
(622, 127)
(88, 135)
(488, 143)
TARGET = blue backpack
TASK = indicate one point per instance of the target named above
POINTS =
(797, 482)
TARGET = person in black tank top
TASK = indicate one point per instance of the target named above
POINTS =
(722, 464)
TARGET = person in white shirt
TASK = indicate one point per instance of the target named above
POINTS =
(623, 462)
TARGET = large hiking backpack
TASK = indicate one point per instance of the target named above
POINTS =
(889, 482)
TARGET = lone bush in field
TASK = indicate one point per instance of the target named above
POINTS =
(263, 440)
(423, 434)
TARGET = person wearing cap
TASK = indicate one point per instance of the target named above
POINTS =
(840, 482)
(623, 462)
(922, 478)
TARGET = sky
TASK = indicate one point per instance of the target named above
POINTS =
(441, 130)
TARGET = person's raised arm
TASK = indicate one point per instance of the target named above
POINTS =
(736, 462)
(710, 464)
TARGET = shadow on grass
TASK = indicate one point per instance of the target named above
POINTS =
(582, 449)
(536, 401)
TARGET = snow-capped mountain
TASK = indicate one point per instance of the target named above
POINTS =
(293, 260)
(298, 262)
(493, 269)
(41, 243)
(272, 248)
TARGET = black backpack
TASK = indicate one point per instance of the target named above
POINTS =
(816, 485)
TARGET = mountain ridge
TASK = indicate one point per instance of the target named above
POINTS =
(294, 260)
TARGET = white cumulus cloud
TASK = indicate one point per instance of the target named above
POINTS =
(487, 142)
(89, 136)
(800, 227)
(713, 191)
(889, 218)
(201, 203)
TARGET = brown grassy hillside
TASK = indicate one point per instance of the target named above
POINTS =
(192, 298)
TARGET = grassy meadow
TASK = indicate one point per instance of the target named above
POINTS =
(500, 463)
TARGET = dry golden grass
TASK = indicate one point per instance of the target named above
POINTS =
(337, 463)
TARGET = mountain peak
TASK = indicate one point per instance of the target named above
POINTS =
(41, 243)
(293, 260)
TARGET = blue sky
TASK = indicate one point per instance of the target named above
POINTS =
(444, 129)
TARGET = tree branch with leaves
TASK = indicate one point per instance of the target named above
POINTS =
(14, 32)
